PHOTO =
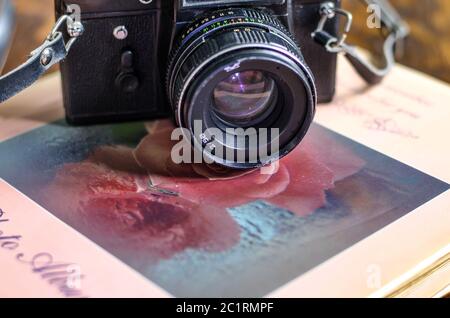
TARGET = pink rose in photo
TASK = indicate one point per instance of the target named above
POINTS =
(299, 185)
(137, 201)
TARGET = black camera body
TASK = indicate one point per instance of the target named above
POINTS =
(117, 71)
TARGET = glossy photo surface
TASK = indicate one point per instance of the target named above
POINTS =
(196, 230)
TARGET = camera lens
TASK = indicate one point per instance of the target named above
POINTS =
(241, 69)
(245, 97)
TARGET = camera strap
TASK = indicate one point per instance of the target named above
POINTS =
(390, 22)
(54, 49)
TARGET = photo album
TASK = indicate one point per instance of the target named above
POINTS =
(105, 208)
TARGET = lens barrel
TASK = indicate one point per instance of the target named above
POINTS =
(240, 68)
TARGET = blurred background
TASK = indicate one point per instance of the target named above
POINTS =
(427, 49)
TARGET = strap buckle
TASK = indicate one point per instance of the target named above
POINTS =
(73, 28)
(390, 20)
(54, 49)
(332, 43)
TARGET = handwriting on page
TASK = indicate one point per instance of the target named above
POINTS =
(66, 277)
(392, 110)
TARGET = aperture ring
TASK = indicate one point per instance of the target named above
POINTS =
(210, 24)
(223, 18)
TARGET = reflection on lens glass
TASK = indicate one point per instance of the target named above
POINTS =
(244, 96)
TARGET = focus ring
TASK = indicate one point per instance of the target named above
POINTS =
(232, 18)
(225, 42)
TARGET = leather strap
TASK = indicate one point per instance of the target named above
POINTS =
(391, 23)
(396, 30)
(50, 53)
(366, 69)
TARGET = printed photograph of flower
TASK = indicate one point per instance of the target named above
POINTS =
(201, 230)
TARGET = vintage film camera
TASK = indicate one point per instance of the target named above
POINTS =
(222, 63)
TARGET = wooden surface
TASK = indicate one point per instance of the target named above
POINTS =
(427, 49)
(35, 19)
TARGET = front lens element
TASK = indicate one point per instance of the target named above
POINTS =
(244, 96)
